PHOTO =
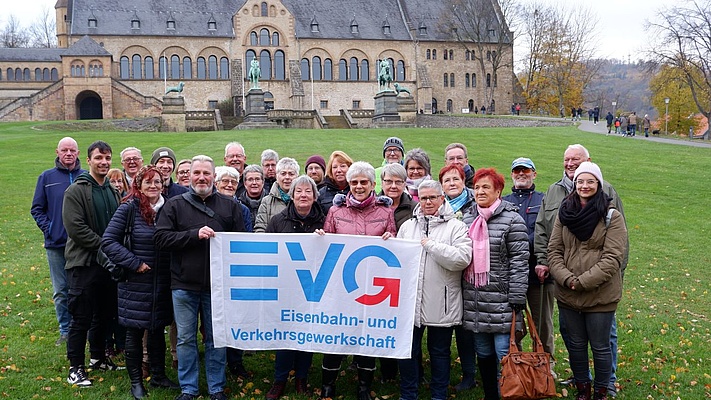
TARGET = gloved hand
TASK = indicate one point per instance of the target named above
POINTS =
(517, 307)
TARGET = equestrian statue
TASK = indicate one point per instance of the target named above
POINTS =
(254, 74)
(384, 77)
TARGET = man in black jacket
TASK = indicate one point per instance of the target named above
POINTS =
(184, 228)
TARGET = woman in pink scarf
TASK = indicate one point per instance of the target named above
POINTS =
(495, 282)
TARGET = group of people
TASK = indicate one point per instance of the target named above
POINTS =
(484, 256)
(626, 125)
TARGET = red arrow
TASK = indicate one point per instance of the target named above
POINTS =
(391, 287)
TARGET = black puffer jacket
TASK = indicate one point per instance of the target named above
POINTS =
(486, 309)
(328, 192)
(144, 300)
(289, 221)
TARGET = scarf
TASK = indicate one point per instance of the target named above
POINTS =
(352, 202)
(158, 204)
(284, 196)
(567, 184)
(414, 184)
(581, 221)
(458, 202)
(477, 273)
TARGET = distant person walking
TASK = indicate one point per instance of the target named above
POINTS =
(646, 124)
(609, 118)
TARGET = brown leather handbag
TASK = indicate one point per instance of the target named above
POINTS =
(526, 375)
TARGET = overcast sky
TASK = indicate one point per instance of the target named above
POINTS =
(620, 27)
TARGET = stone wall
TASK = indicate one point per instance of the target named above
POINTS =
(450, 121)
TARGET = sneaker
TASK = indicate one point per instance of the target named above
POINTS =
(218, 396)
(186, 396)
(568, 381)
(77, 376)
(62, 339)
(104, 365)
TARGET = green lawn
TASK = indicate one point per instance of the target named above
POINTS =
(663, 319)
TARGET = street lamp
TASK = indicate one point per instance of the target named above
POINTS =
(666, 115)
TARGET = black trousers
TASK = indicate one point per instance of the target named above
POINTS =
(90, 304)
(333, 361)
(156, 352)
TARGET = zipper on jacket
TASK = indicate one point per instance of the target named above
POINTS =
(446, 300)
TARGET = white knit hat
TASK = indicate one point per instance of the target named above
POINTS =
(590, 168)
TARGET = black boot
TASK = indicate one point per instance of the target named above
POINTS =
(156, 356)
(365, 379)
(328, 383)
(583, 390)
(134, 355)
(489, 368)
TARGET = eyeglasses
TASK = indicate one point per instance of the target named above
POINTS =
(518, 170)
(156, 182)
(287, 173)
(392, 182)
(186, 172)
(415, 169)
(362, 182)
(252, 180)
(392, 150)
(132, 160)
(427, 199)
(232, 182)
(238, 155)
(589, 182)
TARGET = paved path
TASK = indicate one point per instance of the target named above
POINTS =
(589, 126)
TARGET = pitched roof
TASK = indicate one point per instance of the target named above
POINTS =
(86, 46)
(25, 54)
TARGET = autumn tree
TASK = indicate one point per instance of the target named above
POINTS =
(671, 83)
(684, 42)
(13, 35)
(43, 32)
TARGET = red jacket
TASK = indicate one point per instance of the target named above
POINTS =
(372, 220)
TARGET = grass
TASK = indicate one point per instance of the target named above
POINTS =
(664, 327)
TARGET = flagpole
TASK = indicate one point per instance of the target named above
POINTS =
(165, 74)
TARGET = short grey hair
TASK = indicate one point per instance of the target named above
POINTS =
(420, 156)
(202, 158)
(269, 154)
(130, 149)
(431, 184)
(287, 163)
(394, 169)
(579, 147)
(253, 168)
(225, 170)
(456, 146)
(233, 144)
(303, 180)
(361, 168)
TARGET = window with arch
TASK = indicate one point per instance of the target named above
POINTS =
(470, 105)
(10, 74)
(353, 69)
(54, 74)
(18, 74)
(45, 74)
(264, 37)
(466, 79)
(488, 80)
(162, 64)
(248, 57)
(77, 70)
(174, 67)
(316, 68)
(449, 105)
(279, 65)
(327, 69)
(342, 70)
(466, 55)
(434, 54)
(446, 79)
(493, 55)
(434, 106)
(38, 74)
(265, 64)
(224, 68)
(400, 71)
(0, 74)
(201, 68)
(28, 75)
(136, 67)
(253, 39)
(451, 80)
(364, 70)
(96, 69)
(451, 55)
(429, 54)
(275, 39)
(473, 80)
(187, 68)
(391, 62)
(212, 67)
(265, 9)
(148, 67)
(488, 56)
(305, 69)
(124, 71)
(445, 54)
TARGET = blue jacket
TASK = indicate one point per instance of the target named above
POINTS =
(47, 202)
(144, 300)
(529, 202)
(173, 189)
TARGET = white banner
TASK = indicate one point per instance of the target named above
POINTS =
(340, 294)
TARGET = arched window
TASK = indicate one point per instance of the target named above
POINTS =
(451, 80)
(449, 105)
(162, 64)
(275, 39)
(265, 63)
(265, 9)
(18, 74)
(446, 80)
(473, 80)
(187, 68)
(488, 80)
(38, 74)
(429, 54)
(470, 105)
(201, 68)
(28, 74)
(451, 55)
(445, 54)
(253, 38)
(392, 66)
(327, 69)
(400, 71)
(124, 71)
(55, 74)
(10, 74)
(0, 74)
(466, 80)
(316, 68)
(466, 55)
(264, 37)
(174, 67)
(279, 65)
(342, 70)
(364, 70)
(45, 75)
(434, 54)
(305, 69)
(224, 68)
(353, 73)
(212, 67)
(148, 67)
(434, 106)
(136, 67)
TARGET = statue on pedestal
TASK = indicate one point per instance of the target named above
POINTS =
(175, 89)
(384, 76)
(254, 74)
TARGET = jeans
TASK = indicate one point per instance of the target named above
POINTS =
(492, 344)
(439, 340)
(613, 349)
(593, 328)
(60, 287)
(186, 305)
(300, 361)
(465, 349)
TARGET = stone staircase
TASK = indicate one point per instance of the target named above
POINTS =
(336, 122)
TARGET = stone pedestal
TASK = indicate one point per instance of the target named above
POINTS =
(406, 108)
(255, 115)
(386, 107)
(173, 115)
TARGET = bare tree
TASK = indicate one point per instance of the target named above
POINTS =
(12, 35)
(684, 32)
(43, 30)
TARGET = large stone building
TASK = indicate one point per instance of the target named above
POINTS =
(114, 59)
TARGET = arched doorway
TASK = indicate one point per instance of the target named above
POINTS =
(434, 106)
(470, 105)
(89, 105)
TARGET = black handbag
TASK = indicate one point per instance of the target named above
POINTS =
(117, 272)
